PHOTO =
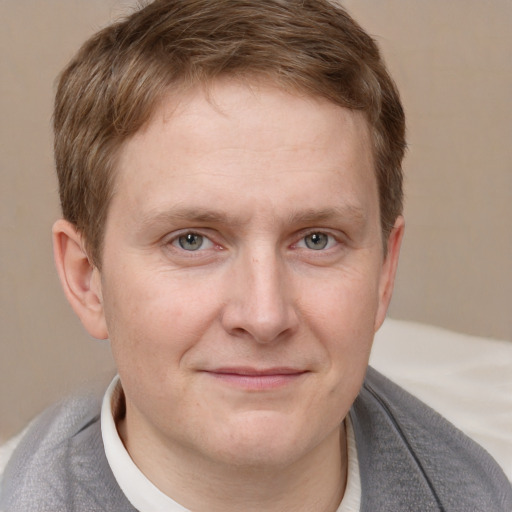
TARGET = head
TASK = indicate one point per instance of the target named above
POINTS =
(121, 75)
(230, 175)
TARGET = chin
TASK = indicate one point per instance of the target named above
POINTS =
(263, 439)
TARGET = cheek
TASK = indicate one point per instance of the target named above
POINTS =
(342, 316)
(344, 305)
(339, 316)
(154, 321)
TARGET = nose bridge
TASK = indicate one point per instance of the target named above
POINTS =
(262, 306)
(265, 275)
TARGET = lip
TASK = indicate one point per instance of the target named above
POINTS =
(252, 379)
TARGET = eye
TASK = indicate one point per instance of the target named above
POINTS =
(317, 241)
(192, 242)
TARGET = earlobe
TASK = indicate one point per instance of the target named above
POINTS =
(79, 278)
(388, 273)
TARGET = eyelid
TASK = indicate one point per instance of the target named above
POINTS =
(172, 240)
(333, 239)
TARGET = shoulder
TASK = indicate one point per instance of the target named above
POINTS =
(405, 446)
(60, 463)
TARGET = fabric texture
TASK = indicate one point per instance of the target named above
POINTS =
(410, 458)
(467, 379)
(60, 464)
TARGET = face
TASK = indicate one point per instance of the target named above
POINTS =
(243, 274)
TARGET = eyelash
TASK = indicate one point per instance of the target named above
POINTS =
(178, 240)
(330, 242)
(176, 243)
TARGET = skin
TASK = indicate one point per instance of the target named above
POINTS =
(239, 359)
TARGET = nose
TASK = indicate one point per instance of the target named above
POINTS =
(260, 304)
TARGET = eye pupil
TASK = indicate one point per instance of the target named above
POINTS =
(190, 241)
(316, 241)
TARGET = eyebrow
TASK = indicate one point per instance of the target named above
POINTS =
(311, 216)
(345, 212)
(195, 215)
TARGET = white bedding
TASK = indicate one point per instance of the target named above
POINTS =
(466, 378)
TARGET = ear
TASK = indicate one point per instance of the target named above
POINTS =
(388, 271)
(79, 278)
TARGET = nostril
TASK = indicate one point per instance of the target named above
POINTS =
(239, 332)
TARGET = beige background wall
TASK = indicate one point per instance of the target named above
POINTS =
(453, 64)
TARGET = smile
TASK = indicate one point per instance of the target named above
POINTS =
(251, 379)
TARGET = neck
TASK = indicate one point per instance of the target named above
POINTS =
(315, 481)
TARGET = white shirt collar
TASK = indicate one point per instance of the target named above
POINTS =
(140, 492)
(146, 497)
(351, 501)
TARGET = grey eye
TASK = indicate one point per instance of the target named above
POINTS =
(316, 241)
(190, 241)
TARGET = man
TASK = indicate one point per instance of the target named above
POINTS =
(230, 179)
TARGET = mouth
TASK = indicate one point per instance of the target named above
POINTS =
(252, 379)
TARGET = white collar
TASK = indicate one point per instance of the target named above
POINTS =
(140, 492)
(351, 501)
(146, 497)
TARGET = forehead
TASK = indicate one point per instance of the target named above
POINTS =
(244, 106)
(256, 142)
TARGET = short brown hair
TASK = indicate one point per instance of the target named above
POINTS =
(119, 76)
